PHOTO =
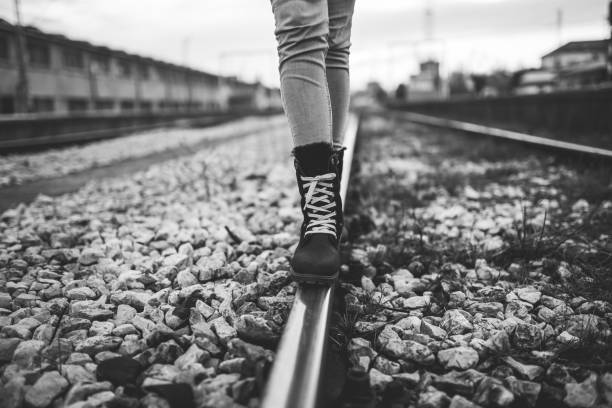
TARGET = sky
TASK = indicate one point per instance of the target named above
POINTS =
(235, 37)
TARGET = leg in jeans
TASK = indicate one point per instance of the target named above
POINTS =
(301, 31)
(337, 63)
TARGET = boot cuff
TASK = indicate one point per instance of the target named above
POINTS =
(314, 158)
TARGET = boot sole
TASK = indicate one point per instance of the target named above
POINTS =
(313, 279)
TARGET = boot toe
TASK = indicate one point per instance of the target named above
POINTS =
(317, 259)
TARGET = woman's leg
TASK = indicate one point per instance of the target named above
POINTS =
(337, 63)
(301, 32)
(302, 29)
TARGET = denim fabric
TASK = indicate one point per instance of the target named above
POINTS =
(338, 83)
(313, 47)
(337, 63)
(340, 22)
(303, 26)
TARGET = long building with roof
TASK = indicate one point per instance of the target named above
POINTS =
(64, 75)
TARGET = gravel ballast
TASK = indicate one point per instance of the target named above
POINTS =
(473, 276)
(21, 168)
(478, 273)
(153, 287)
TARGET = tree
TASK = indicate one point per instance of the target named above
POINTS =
(500, 80)
(479, 81)
(458, 84)
(376, 91)
(401, 92)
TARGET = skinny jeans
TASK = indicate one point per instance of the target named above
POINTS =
(313, 38)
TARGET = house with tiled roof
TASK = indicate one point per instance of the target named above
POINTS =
(576, 53)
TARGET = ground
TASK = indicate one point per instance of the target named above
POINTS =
(478, 273)
(474, 273)
(183, 267)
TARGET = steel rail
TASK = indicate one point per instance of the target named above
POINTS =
(9, 145)
(295, 377)
(505, 134)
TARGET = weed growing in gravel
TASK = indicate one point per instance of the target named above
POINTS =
(342, 329)
(527, 241)
(592, 280)
(593, 350)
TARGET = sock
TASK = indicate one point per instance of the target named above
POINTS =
(313, 158)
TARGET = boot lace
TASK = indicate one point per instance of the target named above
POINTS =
(319, 204)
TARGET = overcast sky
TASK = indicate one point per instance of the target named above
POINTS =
(236, 36)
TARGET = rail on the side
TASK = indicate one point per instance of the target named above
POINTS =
(504, 134)
(38, 131)
(295, 377)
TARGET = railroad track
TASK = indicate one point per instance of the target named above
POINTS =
(16, 144)
(503, 134)
(295, 378)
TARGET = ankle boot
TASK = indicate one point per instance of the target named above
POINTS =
(339, 152)
(339, 159)
(316, 259)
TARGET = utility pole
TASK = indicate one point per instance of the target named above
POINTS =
(428, 21)
(21, 89)
(609, 64)
(559, 26)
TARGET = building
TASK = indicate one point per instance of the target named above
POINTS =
(583, 75)
(578, 64)
(427, 84)
(534, 81)
(243, 95)
(65, 76)
(576, 53)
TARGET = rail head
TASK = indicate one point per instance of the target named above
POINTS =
(295, 377)
(474, 128)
